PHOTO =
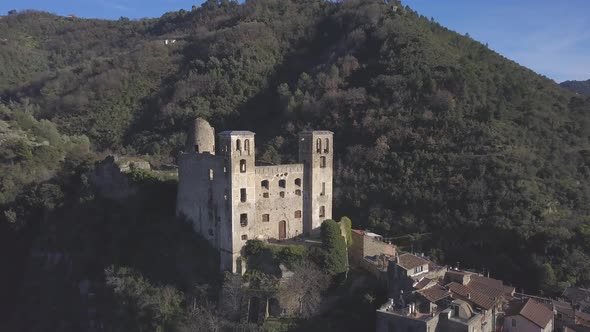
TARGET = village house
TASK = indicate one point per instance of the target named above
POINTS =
(426, 297)
(370, 252)
(528, 315)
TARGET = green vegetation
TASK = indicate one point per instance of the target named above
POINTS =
(581, 87)
(335, 253)
(346, 226)
(435, 134)
(267, 257)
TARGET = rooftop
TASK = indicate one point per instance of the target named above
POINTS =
(532, 310)
(410, 261)
(477, 296)
(236, 132)
(434, 293)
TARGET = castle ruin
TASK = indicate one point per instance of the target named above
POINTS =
(229, 199)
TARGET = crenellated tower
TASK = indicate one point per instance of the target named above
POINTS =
(316, 154)
(237, 148)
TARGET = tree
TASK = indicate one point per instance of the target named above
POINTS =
(346, 225)
(333, 243)
(140, 304)
(547, 279)
(302, 292)
(230, 297)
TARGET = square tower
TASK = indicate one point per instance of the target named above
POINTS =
(316, 154)
(237, 148)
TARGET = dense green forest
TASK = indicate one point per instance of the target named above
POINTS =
(581, 87)
(439, 141)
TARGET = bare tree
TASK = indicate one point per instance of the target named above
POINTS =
(230, 297)
(301, 294)
(201, 318)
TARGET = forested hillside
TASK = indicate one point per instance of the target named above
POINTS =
(479, 160)
(581, 87)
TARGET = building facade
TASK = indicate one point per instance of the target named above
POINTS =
(229, 199)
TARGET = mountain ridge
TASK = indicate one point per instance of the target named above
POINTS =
(434, 132)
(581, 87)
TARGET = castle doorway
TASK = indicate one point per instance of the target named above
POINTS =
(282, 230)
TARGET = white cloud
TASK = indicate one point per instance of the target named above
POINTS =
(113, 5)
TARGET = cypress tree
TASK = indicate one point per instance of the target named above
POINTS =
(333, 243)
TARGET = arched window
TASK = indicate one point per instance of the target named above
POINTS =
(247, 146)
(238, 145)
(282, 183)
(327, 147)
(264, 184)
(318, 145)
(298, 182)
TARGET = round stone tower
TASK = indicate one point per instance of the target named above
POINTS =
(201, 137)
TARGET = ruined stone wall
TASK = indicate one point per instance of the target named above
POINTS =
(201, 137)
(277, 204)
(203, 199)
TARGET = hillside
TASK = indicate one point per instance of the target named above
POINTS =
(581, 87)
(481, 161)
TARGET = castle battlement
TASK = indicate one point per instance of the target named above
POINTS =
(279, 170)
(229, 200)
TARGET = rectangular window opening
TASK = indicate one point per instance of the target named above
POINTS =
(322, 211)
(266, 217)
(282, 194)
(322, 162)
(243, 195)
(244, 219)
(298, 214)
(243, 166)
(265, 195)
(323, 193)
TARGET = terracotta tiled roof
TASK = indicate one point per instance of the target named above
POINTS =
(564, 308)
(422, 283)
(536, 313)
(409, 261)
(478, 294)
(357, 231)
(458, 289)
(434, 293)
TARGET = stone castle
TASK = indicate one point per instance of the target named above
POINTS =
(229, 199)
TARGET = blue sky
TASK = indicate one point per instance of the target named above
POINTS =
(551, 37)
